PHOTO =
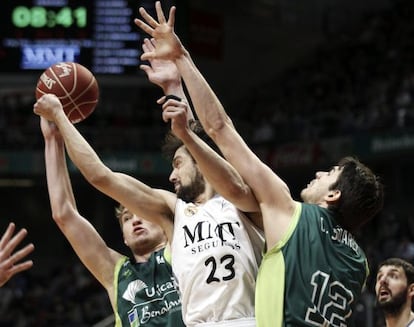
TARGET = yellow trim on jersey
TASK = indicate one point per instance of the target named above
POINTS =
(120, 262)
(367, 272)
(167, 254)
(270, 284)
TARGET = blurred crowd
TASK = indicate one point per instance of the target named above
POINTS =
(361, 81)
(67, 296)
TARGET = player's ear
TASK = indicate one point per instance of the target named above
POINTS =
(411, 291)
(332, 196)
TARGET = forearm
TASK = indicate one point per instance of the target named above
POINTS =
(79, 151)
(174, 87)
(206, 104)
(58, 183)
(216, 122)
(214, 168)
(220, 174)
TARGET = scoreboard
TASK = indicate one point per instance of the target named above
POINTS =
(99, 34)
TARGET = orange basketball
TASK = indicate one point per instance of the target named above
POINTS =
(74, 85)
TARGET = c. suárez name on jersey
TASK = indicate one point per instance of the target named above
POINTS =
(340, 235)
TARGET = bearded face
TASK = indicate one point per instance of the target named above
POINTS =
(394, 303)
(186, 177)
(392, 290)
(193, 188)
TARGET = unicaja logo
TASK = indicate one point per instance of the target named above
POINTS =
(132, 289)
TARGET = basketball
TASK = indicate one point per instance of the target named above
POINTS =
(74, 85)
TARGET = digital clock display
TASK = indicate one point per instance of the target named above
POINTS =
(40, 17)
(100, 34)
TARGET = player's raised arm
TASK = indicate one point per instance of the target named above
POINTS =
(141, 199)
(83, 237)
(221, 175)
(267, 187)
(146, 241)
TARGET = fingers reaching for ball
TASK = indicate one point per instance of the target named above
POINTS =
(48, 106)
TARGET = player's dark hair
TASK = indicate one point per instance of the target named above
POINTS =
(362, 194)
(405, 265)
(172, 143)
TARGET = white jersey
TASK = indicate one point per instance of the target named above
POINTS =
(215, 253)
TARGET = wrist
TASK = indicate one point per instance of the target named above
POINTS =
(60, 116)
(175, 88)
(172, 96)
(180, 54)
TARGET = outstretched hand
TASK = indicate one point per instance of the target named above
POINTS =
(160, 72)
(168, 45)
(9, 261)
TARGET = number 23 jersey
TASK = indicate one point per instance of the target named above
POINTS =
(215, 255)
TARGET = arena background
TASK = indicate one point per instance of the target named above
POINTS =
(305, 82)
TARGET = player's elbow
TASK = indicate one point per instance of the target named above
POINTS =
(237, 190)
(100, 177)
(218, 126)
(241, 193)
(62, 213)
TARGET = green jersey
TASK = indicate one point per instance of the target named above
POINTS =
(146, 293)
(312, 277)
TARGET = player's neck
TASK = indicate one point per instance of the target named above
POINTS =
(401, 320)
(145, 255)
(208, 193)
